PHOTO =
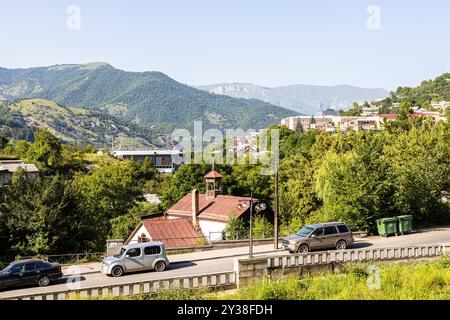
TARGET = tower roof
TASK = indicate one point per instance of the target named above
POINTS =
(213, 175)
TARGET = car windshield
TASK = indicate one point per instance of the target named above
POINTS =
(304, 231)
(120, 253)
(4, 270)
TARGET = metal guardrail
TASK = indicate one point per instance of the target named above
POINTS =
(69, 258)
(360, 255)
(223, 280)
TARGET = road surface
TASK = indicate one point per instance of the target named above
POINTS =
(225, 264)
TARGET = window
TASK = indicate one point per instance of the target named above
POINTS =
(17, 268)
(343, 228)
(142, 238)
(330, 230)
(305, 231)
(318, 232)
(120, 253)
(136, 252)
(149, 251)
(30, 267)
(41, 264)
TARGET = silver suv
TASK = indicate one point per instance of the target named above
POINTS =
(136, 257)
(329, 235)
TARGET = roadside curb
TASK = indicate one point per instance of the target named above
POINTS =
(230, 256)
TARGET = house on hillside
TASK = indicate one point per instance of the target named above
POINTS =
(210, 212)
(196, 218)
(178, 233)
(10, 166)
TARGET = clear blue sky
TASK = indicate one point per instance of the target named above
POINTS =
(270, 43)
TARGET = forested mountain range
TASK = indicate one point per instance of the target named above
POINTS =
(151, 100)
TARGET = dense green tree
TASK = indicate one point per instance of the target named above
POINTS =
(3, 142)
(236, 229)
(122, 226)
(43, 217)
(420, 166)
(297, 199)
(46, 150)
(17, 149)
(185, 179)
(350, 191)
(262, 228)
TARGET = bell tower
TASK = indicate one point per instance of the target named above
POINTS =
(213, 184)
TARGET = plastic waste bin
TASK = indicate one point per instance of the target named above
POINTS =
(387, 226)
(404, 224)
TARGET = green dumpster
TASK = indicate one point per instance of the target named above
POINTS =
(387, 226)
(404, 224)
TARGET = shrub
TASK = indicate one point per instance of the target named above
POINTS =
(262, 228)
(235, 229)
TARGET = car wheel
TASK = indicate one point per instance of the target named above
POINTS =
(43, 281)
(160, 266)
(341, 245)
(117, 271)
(303, 248)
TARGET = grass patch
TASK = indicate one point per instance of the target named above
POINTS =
(407, 281)
(417, 281)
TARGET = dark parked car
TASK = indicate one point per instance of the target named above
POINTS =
(29, 272)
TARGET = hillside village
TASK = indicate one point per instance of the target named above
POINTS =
(369, 119)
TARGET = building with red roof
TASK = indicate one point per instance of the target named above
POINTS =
(176, 233)
(197, 218)
(210, 212)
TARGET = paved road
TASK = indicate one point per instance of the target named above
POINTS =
(226, 263)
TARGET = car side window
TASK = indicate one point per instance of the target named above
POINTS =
(343, 228)
(30, 267)
(150, 251)
(318, 232)
(17, 268)
(135, 252)
(42, 265)
(330, 230)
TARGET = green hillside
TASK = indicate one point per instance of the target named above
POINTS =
(150, 99)
(428, 91)
(75, 125)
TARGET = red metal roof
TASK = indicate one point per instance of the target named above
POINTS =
(213, 174)
(174, 233)
(220, 208)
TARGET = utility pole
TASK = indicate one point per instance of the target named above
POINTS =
(250, 249)
(275, 221)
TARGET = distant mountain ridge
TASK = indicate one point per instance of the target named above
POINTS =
(307, 99)
(151, 100)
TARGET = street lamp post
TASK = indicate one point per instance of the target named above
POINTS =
(260, 206)
(275, 222)
(250, 249)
